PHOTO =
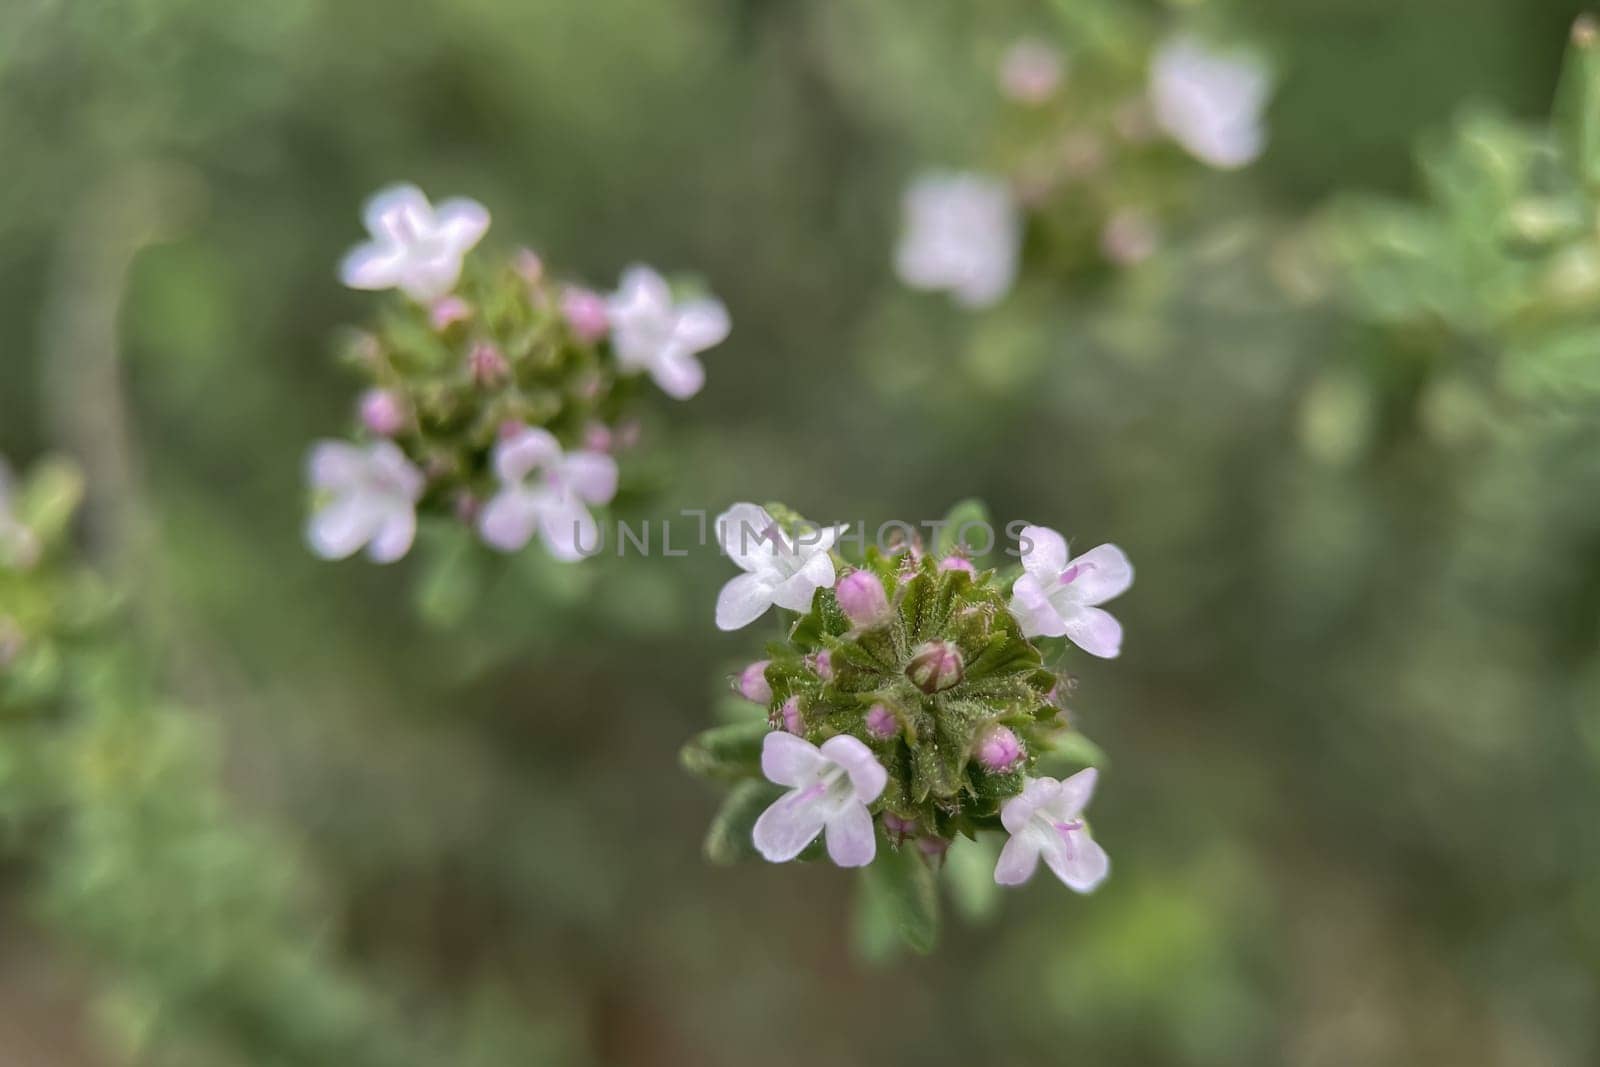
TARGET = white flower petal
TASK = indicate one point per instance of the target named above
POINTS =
(1033, 610)
(743, 532)
(1036, 793)
(1018, 860)
(1074, 794)
(642, 289)
(338, 529)
(333, 465)
(373, 266)
(702, 323)
(743, 600)
(679, 374)
(591, 475)
(1044, 553)
(1079, 861)
(785, 829)
(1094, 631)
(1102, 572)
(522, 453)
(851, 839)
(867, 776)
(462, 222)
(394, 536)
(790, 760)
(395, 214)
(509, 519)
(797, 591)
(569, 531)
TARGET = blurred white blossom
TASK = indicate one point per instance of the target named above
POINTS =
(415, 247)
(366, 496)
(1210, 102)
(649, 332)
(545, 489)
(962, 234)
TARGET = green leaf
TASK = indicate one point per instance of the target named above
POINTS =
(969, 872)
(898, 895)
(728, 840)
(729, 751)
(1070, 751)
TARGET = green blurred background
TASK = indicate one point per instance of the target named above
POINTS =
(1354, 735)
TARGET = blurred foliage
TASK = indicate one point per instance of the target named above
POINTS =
(1354, 731)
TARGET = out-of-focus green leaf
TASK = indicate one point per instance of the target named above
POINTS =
(728, 840)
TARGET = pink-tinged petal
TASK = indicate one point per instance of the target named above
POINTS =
(519, 455)
(426, 280)
(1094, 631)
(509, 519)
(867, 775)
(679, 374)
(852, 842)
(333, 465)
(393, 471)
(790, 760)
(1079, 861)
(742, 601)
(1018, 860)
(462, 222)
(591, 475)
(1044, 553)
(569, 531)
(339, 529)
(1036, 793)
(1075, 794)
(1033, 610)
(393, 538)
(642, 288)
(796, 591)
(785, 829)
(702, 324)
(744, 532)
(1101, 573)
(396, 213)
(373, 266)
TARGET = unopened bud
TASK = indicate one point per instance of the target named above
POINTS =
(881, 723)
(998, 749)
(793, 721)
(383, 412)
(585, 312)
(862, 599)
(957, 563)
(487, 366)
(936, 667)
(752, 683)
(447, 311)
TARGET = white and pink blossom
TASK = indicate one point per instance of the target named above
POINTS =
(415, 247)
(962, 234)
(652, 332)
(547, 490)
(1045, 820)
(1058, 596)
(829, 790)
(367, 496)
(1210, 102)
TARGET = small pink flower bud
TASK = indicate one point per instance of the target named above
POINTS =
(597, 437)
(383, 412)
(899, 828)
(487, 366)
(822, 663)
(446, 311)
(530, 266)
(957, 563)
(881, 723)
(998, 749)
(936, 667)
(585, 312)
(752, 683)
(862, 599)
(793, 721)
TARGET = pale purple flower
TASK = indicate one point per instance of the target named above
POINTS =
(936, 666)
(752, 684)
(366, 496)
(1057, 596)
(1044, 820)
(545, 489)
(1210, 102)
(415, 247)
(446, 311)
(651, 332)
(1031, 71)
(862, 599)
(881, 723)
(780, 569)
(962, 234)
(585, 312)
(383, 412)
(998, 749)
(830, 788)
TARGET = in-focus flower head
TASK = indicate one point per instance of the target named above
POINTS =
(1058, 596)
(1210, 102)
(545, 489)
(415, 247)
(367, 496)
(962, 234)
(1045, 820)
(651, 332)
(780, 567)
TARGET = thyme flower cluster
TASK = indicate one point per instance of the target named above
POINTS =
(497, 393)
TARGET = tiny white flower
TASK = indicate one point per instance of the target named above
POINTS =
(1044, 820)
(1210, 102)
(1057, 596)
(19, 547)
(962, 233)
(649, 332)
(368, 496)
(545, 489)
(830, 789)
(415, 247)
(780, 570)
